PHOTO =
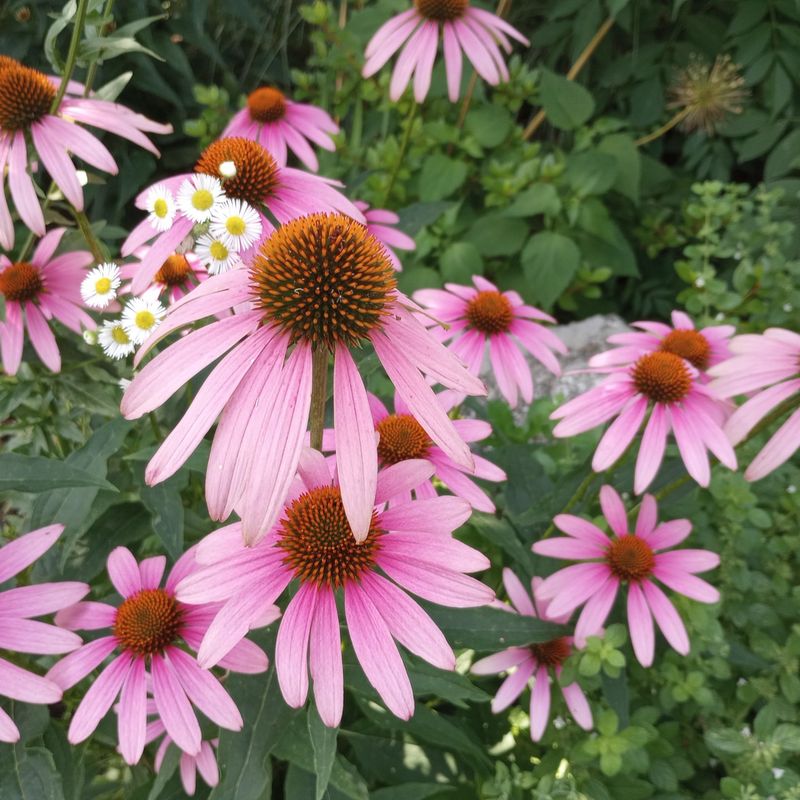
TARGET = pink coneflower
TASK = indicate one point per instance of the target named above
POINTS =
(771, 360)
(478, 33)
(633, 558)
(475, 316)
(401, 438)
(187, 200)
(46, 287)
(702, 349)
(378, 222)
(669, 388)
(177, 275)
(147, 628)
(26, 99)
(314, 544)
(278, 123)
(321, 282)
(19, 633)
(535, 661)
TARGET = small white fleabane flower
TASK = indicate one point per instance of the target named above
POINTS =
(90, 337)
(100, 286)
(227, 169)
(142, 316)
(215, 255)
(199, 196)
(160, 205)
(114, 340)
(236, 224)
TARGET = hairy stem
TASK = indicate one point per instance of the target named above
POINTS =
(92, 73)
(88, 234)
(403, 147)
(319, 395)
(583, 487)
(667, 126)
(72, 53)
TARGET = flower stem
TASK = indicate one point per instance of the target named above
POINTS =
(319, 395)
(583, 487)
(667, 126)
(579, 64)
(91, 74)
(72, 54)
(403, 147)
(88, 235)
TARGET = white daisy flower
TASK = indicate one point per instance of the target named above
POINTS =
(198, 196)
(215, 255)
(100, 286)
(160, 205)
(114, 340)
(142, 316)
(236, 224)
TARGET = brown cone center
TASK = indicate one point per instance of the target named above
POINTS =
(552, 653)
(25, 96)
(663, 377)
(148, 621)
(490, 312)
(442, 10)
(174, 271)
(256, 177)
(688, 344)
(20, 282)
(266, 104)
(401, 438)
(630, 558)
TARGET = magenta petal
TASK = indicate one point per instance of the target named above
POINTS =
(540, 703)
(124, 571)
(325, 660)
(22, 552)
(578, 705)
(173, 706)
(19, 684)
(291, 647)
(667, 617)
(78, 664)
(595, 612)
(640, 623)
(513, 685)
(132, 713)
(614, 510)
(517, 593)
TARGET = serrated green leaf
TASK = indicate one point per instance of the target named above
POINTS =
(550, 261)
(440, 177)
(36, 474)
(566, 103)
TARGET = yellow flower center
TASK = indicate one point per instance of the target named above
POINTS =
(145, 319)
(119, 336)
(202, 199)
(218, 251)
(161, 208)
(102, 286)
(235, 225)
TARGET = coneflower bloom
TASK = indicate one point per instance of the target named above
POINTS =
(771, 363)
(147, 628)
(379, 221)
(313, 543)
(177, 276)
(475, 316)
(44, 288)
(478, 33)
(279, 124)
(26, 99)
(319, 283)
(20, 633)
(536, 661)
(670, 389)
(257, 180)
(702, 349)
(402, 438)
(634, 558)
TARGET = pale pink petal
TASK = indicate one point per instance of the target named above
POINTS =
(22, 552)
(188, 773)
(8, 730)
(291, 647)
(647, 519)
(749, 414)
(152, 570)
(40, 598)
(686, 584)
(777, 450)
(595, 612)
(513, 685)
(21, 186)
(173, 706)
(563, 547)
(402, 477)
(540, 703)
(668, 534)
(57, 163)
(691, 446)
(42, 338)
(580, 529)
(640, 623)
(132, 713)
(614, 510)
(386, 33)
(593, 577)
(19, 684)
(124, 571)
(406, 63)
(325, 659)
(98, 698)
(578, 705)
(667, 617)
(619, 434)
(500, 662)
(77, 665)
(12, 338)
(32, 636)
(453, 62)
(422, 77)
(516, 592)
(651, 449)
(436, 515)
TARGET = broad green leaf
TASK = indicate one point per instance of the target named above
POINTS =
(567, 104)
(323, 743)
(28, 773)
(427, 680)
(499, 533)
(550, 261)
(615, 691)
(164, 503)
(784, 157)
(412, 791)
(489, 124)
(541, 198)
(591, 173)
(113, 89)
(495, 235)
(36, 474)
(726, 742)
(440, 177)
(416, 216)
(629, 163)
(460, 262)
(168, 767)
(787, 737)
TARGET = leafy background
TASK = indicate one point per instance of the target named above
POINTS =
(581, 221)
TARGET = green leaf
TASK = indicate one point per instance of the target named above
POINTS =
(416, 216)
(726, 741)
(427, 680)
(566, 103)
(550, 261)
(615, 691)
(411, 791)
(498, 532)
(35, 474)
(495, 235)
(164, 503)
(28, 773)
(787, 737)
(489, 124)
(460, 262)
(113, 89)
(244, 755)
(541, 198)
(784, 158)
(168, 767)
(440, 177)
(591, 173)
(629, 163)
(490, 628)
(323, 743)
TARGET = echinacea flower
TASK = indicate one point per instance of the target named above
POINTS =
(44, 288)
(258, 180)
(26, 100)
(99, 287)
(323, 284)
(279, 124)
(313, 543)
(478, 33)
(634, 558)
(20, 633)
(142, 316)
(702, 349)
(535, 661)
(177, 276)
(475, 316)
(771, 363)
(402, 438)
(147, 627)
(667, 387)
(379, 221)
(114, 339)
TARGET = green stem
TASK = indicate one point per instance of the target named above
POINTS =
(88, 235)
(156, 428)
(667, 126)
(90, 75)
(72, 54)
(319, 395)
(401, 154)
(583, 487)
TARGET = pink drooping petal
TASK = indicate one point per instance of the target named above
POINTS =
(40, 598)
(513, 685)
(152, 571)
(597, 407)
(42, 338)
(424, 70)
(435, 550)
(668, 534)
(12, 337)
(570, 587)
(207, 764)
(691, 447)
(640, 623)
(452, 61)
(19, 684)
(619, 434)
(402, 477)
(21, 185)
(98, 698)
(749, 414)
(77, 665)
(383, 37)
(688, 560)
(777, 450)
(132, 713)
(22, 552)
(57, 163)
(686, 584)
(563, 547)
(123, 570)
(407, 62)
(291, 647)
(462, 486)
(578, 705)
(667, 617)
(160, 249)
(540, 703)
(436, 515)
(594, 614)
(173, 706)
(614, 510)
(82, 143)
(32, 636)
(8, 730)
(356, 456)
(325, 659)
(651, 449)
(245, 657)
(517, 593)
(377, 652)
(477, 53)
(500, 662)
